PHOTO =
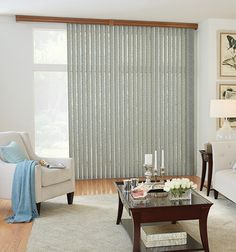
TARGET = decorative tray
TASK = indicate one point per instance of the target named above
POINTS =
(156, 187)
(141, 191)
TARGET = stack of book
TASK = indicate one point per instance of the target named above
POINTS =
(163, 235)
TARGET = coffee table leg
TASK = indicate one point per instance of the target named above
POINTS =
(136, 234)
(120, 211)
(203, 229)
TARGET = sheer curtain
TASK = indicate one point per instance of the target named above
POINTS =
(50, 92)
(131, 92)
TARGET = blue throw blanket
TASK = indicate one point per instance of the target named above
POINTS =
(23, 193)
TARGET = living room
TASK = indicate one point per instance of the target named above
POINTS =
(106, 83)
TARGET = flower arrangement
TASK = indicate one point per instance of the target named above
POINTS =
(178, 186)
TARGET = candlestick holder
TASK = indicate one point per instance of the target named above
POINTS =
(155, 173)
(148, 173)
(162, 171)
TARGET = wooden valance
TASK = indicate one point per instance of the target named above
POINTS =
(25, 18)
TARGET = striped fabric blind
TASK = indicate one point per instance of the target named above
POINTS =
(131, 92)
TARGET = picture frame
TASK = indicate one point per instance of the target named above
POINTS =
(227, 59)
(227, 91)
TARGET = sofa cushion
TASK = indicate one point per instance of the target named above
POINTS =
(55, 176)
(12, 153)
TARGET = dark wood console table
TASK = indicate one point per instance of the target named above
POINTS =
(206, 159)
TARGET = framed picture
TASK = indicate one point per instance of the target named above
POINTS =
(227, 62)
(227, 91)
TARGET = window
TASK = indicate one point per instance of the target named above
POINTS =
(50, 85)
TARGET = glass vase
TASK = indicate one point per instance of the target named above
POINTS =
(179, 195)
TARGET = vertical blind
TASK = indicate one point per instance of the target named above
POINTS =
(131, 92)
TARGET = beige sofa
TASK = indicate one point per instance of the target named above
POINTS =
(223, 176)
(49, 183)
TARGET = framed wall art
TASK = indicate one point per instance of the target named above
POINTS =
(227, 62)
(227, 91)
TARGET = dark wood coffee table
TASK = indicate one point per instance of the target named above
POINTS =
(159, 209)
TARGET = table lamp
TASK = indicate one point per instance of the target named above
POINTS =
(225, 108)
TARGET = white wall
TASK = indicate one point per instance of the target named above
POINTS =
(16, 74)
(208, 79)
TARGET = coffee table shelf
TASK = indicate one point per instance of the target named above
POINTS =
(192, 244)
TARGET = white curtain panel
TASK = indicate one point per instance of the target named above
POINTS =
(131, 92)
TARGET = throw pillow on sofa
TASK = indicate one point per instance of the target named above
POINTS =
(12, 153)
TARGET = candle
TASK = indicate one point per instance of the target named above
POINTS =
(162, 159)
(148, 159)
(155, 161)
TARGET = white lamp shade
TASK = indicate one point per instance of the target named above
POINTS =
(223, 108)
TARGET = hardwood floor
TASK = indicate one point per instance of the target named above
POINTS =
(14, 237)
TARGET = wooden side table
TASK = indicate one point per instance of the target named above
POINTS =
(206, 159)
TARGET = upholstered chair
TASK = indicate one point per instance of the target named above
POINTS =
(49, 183)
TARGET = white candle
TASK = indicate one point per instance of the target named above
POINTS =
(162, 159)
(155, 161)
(148, 159)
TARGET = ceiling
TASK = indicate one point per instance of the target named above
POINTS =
(156, 10)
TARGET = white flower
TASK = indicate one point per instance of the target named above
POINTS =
(183, 185)
(172, 186)
(188, 185)
(166, 189)
(177, 183)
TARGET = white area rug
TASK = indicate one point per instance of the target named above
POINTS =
(89, 225)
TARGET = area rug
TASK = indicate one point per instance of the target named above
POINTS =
(89, 225)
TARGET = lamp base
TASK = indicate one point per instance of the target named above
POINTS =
(226, 133)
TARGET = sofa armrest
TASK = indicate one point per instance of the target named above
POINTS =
(40, 173)
(68, 162)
